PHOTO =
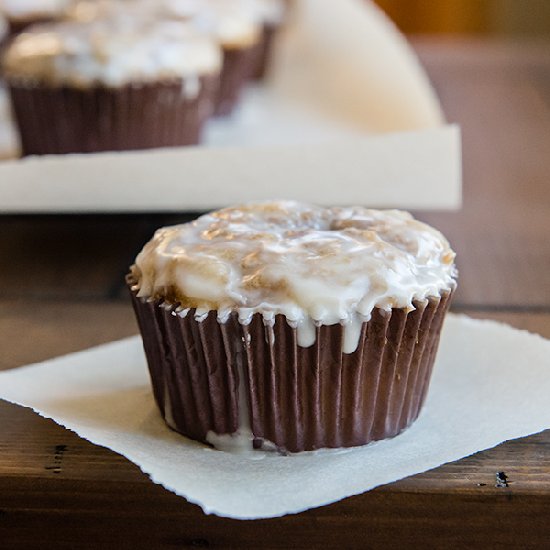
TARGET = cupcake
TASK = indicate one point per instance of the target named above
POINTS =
(235, 25)
(238, 30)
(292, 327)
(22, 13)
(111, 85)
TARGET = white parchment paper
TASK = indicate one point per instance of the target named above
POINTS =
(491, 383)
(398, 170)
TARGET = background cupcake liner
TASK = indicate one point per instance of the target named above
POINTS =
(238, 67)
(56, 120)
(264, 51)
(18, 26)
(298, 398)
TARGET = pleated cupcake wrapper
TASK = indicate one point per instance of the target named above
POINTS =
(16, 27)
(298, 398)
(264, 52)
(57, 120)
(238, 67)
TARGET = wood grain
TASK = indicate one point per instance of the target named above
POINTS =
(39, 330)
(83, 257)
(60, 491)
(500, 235)
(61, 289)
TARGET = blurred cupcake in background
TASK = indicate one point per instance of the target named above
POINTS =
(234, 24)
(236, 27)
(245, 30)
(111, 85)
(22, 13)
(87, 11)
(235, 21)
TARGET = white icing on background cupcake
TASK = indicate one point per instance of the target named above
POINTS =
(315, 266)
(234, 23)
(111, 53)
(28, 10)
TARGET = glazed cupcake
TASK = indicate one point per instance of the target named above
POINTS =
(111, 86)
(237, 26)
(292, 327)
(22, 13)
(238, 30)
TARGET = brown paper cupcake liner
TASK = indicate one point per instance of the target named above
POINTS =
(57, 120)
(237, 69)
(264, 52)
(18, 26)
(298, 398)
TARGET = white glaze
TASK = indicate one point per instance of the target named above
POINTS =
(241, 441)
(26, 10)
(111, 53)
(315, 266)
(234, 23)
(352, 332)
(264, 11)
(231, 22)
(270, 12)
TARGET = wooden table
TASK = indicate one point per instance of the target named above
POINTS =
(61, 290)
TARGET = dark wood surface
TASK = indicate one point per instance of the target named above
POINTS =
(61, 290)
